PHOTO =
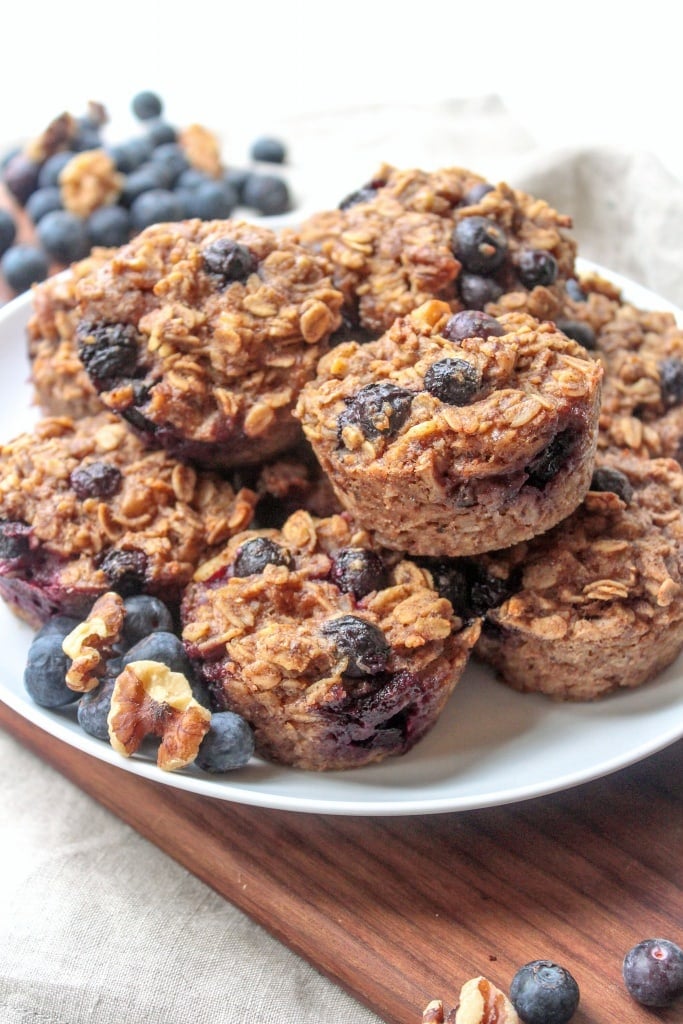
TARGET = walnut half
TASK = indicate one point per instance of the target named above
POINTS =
(151, 700)
(480, 1002)
(92, 641)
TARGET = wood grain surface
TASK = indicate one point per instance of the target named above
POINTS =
(401, 910)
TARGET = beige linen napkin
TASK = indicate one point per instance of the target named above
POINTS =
(97, 925)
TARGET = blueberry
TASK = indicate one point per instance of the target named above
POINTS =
(228, 744)
(361, 642)
(578, 331)
(236, 177)
(475, 194)
(14, 540)
(95, 480)
(167, 648)
(653, 972)
(146, 105)
(143, 179)
(125, 570)
(8, 230)
(172, 157)
(358, 571)
(606, 479)
(211, 200)
(267, 194)
(671, 378)
(155, 207)
(378, 410)
(20, 176)
(52, 168)
(480, 244)
(64, 236)
(107, 351)
(131, 154)
(45, 672)
(542, 992)
(109, 226)
(471, 323)
(58, 625)
(365, 194)
(471, 590)
(192, 178)
(268, 150)
(476, 291)
(145, 614)
(93, 707)
(536, 267)
(548, 462)
(256, 554)
(454, 381)
(24, 265)
(160, 132)
(574, 290)
(43, 200)
(86, 138)
(227, 260)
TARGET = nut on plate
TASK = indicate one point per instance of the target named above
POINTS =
(91, 642)
(151, 700)
(480, 1002)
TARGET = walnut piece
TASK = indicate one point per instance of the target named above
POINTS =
(89, 180)
(480, 1002)
(91, 642)
(151, 700)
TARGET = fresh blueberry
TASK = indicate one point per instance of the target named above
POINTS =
(107, 351)
(227, 261)
(606, 479)
(378, 410)
(20, 176)
(548, 462)
(256, 554)
(24, 265)
(58, 625)
(167, 648)
(267, 194)
(146, 105)
(212, 200)
(358, 571)
(160, 132)
(145, 178)
(125, 570)
(542, 992)
(172, 157)
(228, 744)
(454, 381)
(671, 378)
(8, 230)
(131, 154)
(93, 707)
(574, 290)
(145, 615)
(268, 149)
(95, 480)
(471, 323)
(578, 331)
(155, 207)
(64, 236)
(45, 672)
(480, 244)
(42, 201)
(87, 137)
(192, 178)
(476, 291)
(536, 267)
(14, 540)
(52, 168)
(109, 226)
(236, 177)
(361, 642)
(653, 972)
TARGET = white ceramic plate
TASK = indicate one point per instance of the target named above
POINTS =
(491, 746)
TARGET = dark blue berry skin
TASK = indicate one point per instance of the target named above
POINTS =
(146, 105)
(268, 150)
(548, 462)
(20, 176)
(93, 707)
(578, 331)
(542, 992)
(256, 554)
(358, 571)
(471, 323)
(88, 137)
(653, 972)
(606, 479)
(228, 744)
(172, 157)
(45, 672)
(125, 570)
(267, 194)
(144, 615)
(192, 178)
(155, 207)
(480, 244)
(42, 201)
(109, 226)
(454, 381)
(236, 177)
(107, 351)
(57, 625)
(212, 200)
(167, 648)
(131, 154)
(476, 194)
(378, 410)
(476, 290)
(64, 236)
(226, 261)
(24, 265)
(536, 267)
(8, 230)
(96, 480)
(671, 378)
(160, 132)
(363, 643)
(52, 168)
(574, 290)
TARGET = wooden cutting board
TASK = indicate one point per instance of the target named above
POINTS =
(402, 910)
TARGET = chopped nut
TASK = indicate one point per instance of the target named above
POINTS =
(88, 181)
(151, 700)
(483, 1003)
(91, 642)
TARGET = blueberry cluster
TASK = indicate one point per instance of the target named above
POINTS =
(148, 635)
(159, 184)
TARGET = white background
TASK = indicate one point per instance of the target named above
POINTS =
(578, 73)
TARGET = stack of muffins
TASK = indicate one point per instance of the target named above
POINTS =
(356, 454)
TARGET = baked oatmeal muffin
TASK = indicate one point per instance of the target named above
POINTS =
(411, 235)
(201, 334)
(598, 601)
(61, 386)
(456, 433)
(86, 508)
(338, 654)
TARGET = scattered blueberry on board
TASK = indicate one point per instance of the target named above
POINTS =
(543, 992)
(159, 183)
(653, 972)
